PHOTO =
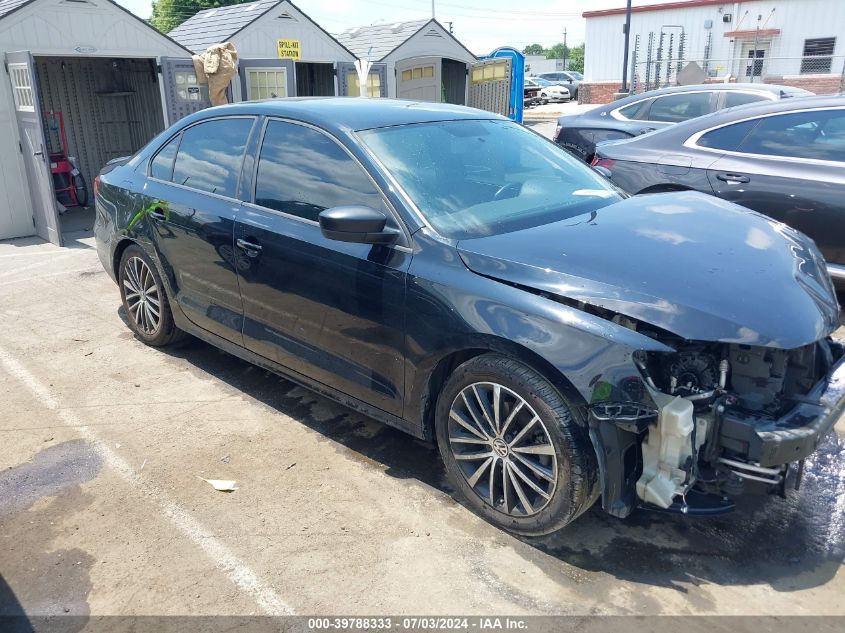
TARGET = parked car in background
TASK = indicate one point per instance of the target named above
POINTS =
(785, 159)
(549, 92)
(649, 111)
(530, 93)
(570, 79)
(455, 275)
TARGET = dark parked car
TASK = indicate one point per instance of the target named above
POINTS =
(530, 93)
(785, 159)
(649, 111)
(453, 274)
(569, 79)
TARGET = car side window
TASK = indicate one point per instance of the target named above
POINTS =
(741, 98)
(210, 155)
(728, 137)
(675, 108)
(162, 165)
(816, 134)
(636, 111)
(302, 171)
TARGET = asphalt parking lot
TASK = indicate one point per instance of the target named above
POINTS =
(102, 509)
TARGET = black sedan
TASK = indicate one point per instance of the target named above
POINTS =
(785, 159)
(454, 274)
(649, 111)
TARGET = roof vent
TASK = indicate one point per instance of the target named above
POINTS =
(211, 12)
(250, 7)
(396, 27)
(433, 33)
(354, 32)
(286, 16)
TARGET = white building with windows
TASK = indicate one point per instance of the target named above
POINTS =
(794, 42)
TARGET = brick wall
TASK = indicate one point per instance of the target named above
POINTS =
(600, 92)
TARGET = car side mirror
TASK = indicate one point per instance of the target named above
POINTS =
(358, 224)
(603, 171)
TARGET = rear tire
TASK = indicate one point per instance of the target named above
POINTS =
(145, 300)
(528, 468)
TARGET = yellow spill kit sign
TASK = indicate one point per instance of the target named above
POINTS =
(289, 49)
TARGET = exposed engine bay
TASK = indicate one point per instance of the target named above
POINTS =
(728, 419)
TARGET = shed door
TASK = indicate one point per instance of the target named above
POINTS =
(33, 146)
(266, 78)
(418, 78)
(489, 85)
(183, 95)
(347, 80)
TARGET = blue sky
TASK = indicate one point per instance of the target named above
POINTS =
(481, 25)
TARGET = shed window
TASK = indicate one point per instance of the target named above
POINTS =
(267, 84)
(373, 84)
(818, 55)
(22, 87)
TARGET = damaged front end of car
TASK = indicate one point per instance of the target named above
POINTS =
(712, 421)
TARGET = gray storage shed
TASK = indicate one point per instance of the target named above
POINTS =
(424, 61)
(281, 51)
(98, 66)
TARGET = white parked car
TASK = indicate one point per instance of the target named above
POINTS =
(550, 91)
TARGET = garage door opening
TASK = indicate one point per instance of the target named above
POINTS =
(454, 81)
(314, 80)
(93, 110)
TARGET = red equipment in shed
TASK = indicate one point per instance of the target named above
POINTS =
(68, 183)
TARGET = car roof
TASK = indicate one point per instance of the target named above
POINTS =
(759, 108)
(350, 113)
(732, 87)
(678, 133)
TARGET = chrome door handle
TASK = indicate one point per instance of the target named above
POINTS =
(250, 248)
(733, 179)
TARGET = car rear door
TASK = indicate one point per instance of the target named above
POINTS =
(791, 167)
(192, 186)
(331, 311)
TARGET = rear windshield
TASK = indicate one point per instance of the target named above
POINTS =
(476, 178)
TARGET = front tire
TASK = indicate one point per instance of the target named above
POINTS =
(514, 447)
(145, 300)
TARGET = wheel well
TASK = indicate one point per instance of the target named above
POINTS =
(446, 365)
(118, 254)
(663, 188)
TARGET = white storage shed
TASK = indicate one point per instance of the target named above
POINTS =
(281, 51)
(104, 74)
(423, 60)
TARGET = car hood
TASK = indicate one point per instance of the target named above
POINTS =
(692, 264)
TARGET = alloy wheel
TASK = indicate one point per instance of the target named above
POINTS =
(503, 449)
(143, 299)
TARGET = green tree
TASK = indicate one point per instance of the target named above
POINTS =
(168, 14)
(576, 58)
(534, 49)
(557, 51)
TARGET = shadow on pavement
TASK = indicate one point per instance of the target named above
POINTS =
(789, 544)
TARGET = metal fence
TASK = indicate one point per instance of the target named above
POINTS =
(821, 74)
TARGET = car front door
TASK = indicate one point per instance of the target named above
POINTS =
(329, 310)
(791, 167)
(192, 194)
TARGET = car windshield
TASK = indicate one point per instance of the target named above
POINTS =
(473, 178)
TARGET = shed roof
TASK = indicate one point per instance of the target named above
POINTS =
(214, 26)
(7, 6)
(379, 40)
